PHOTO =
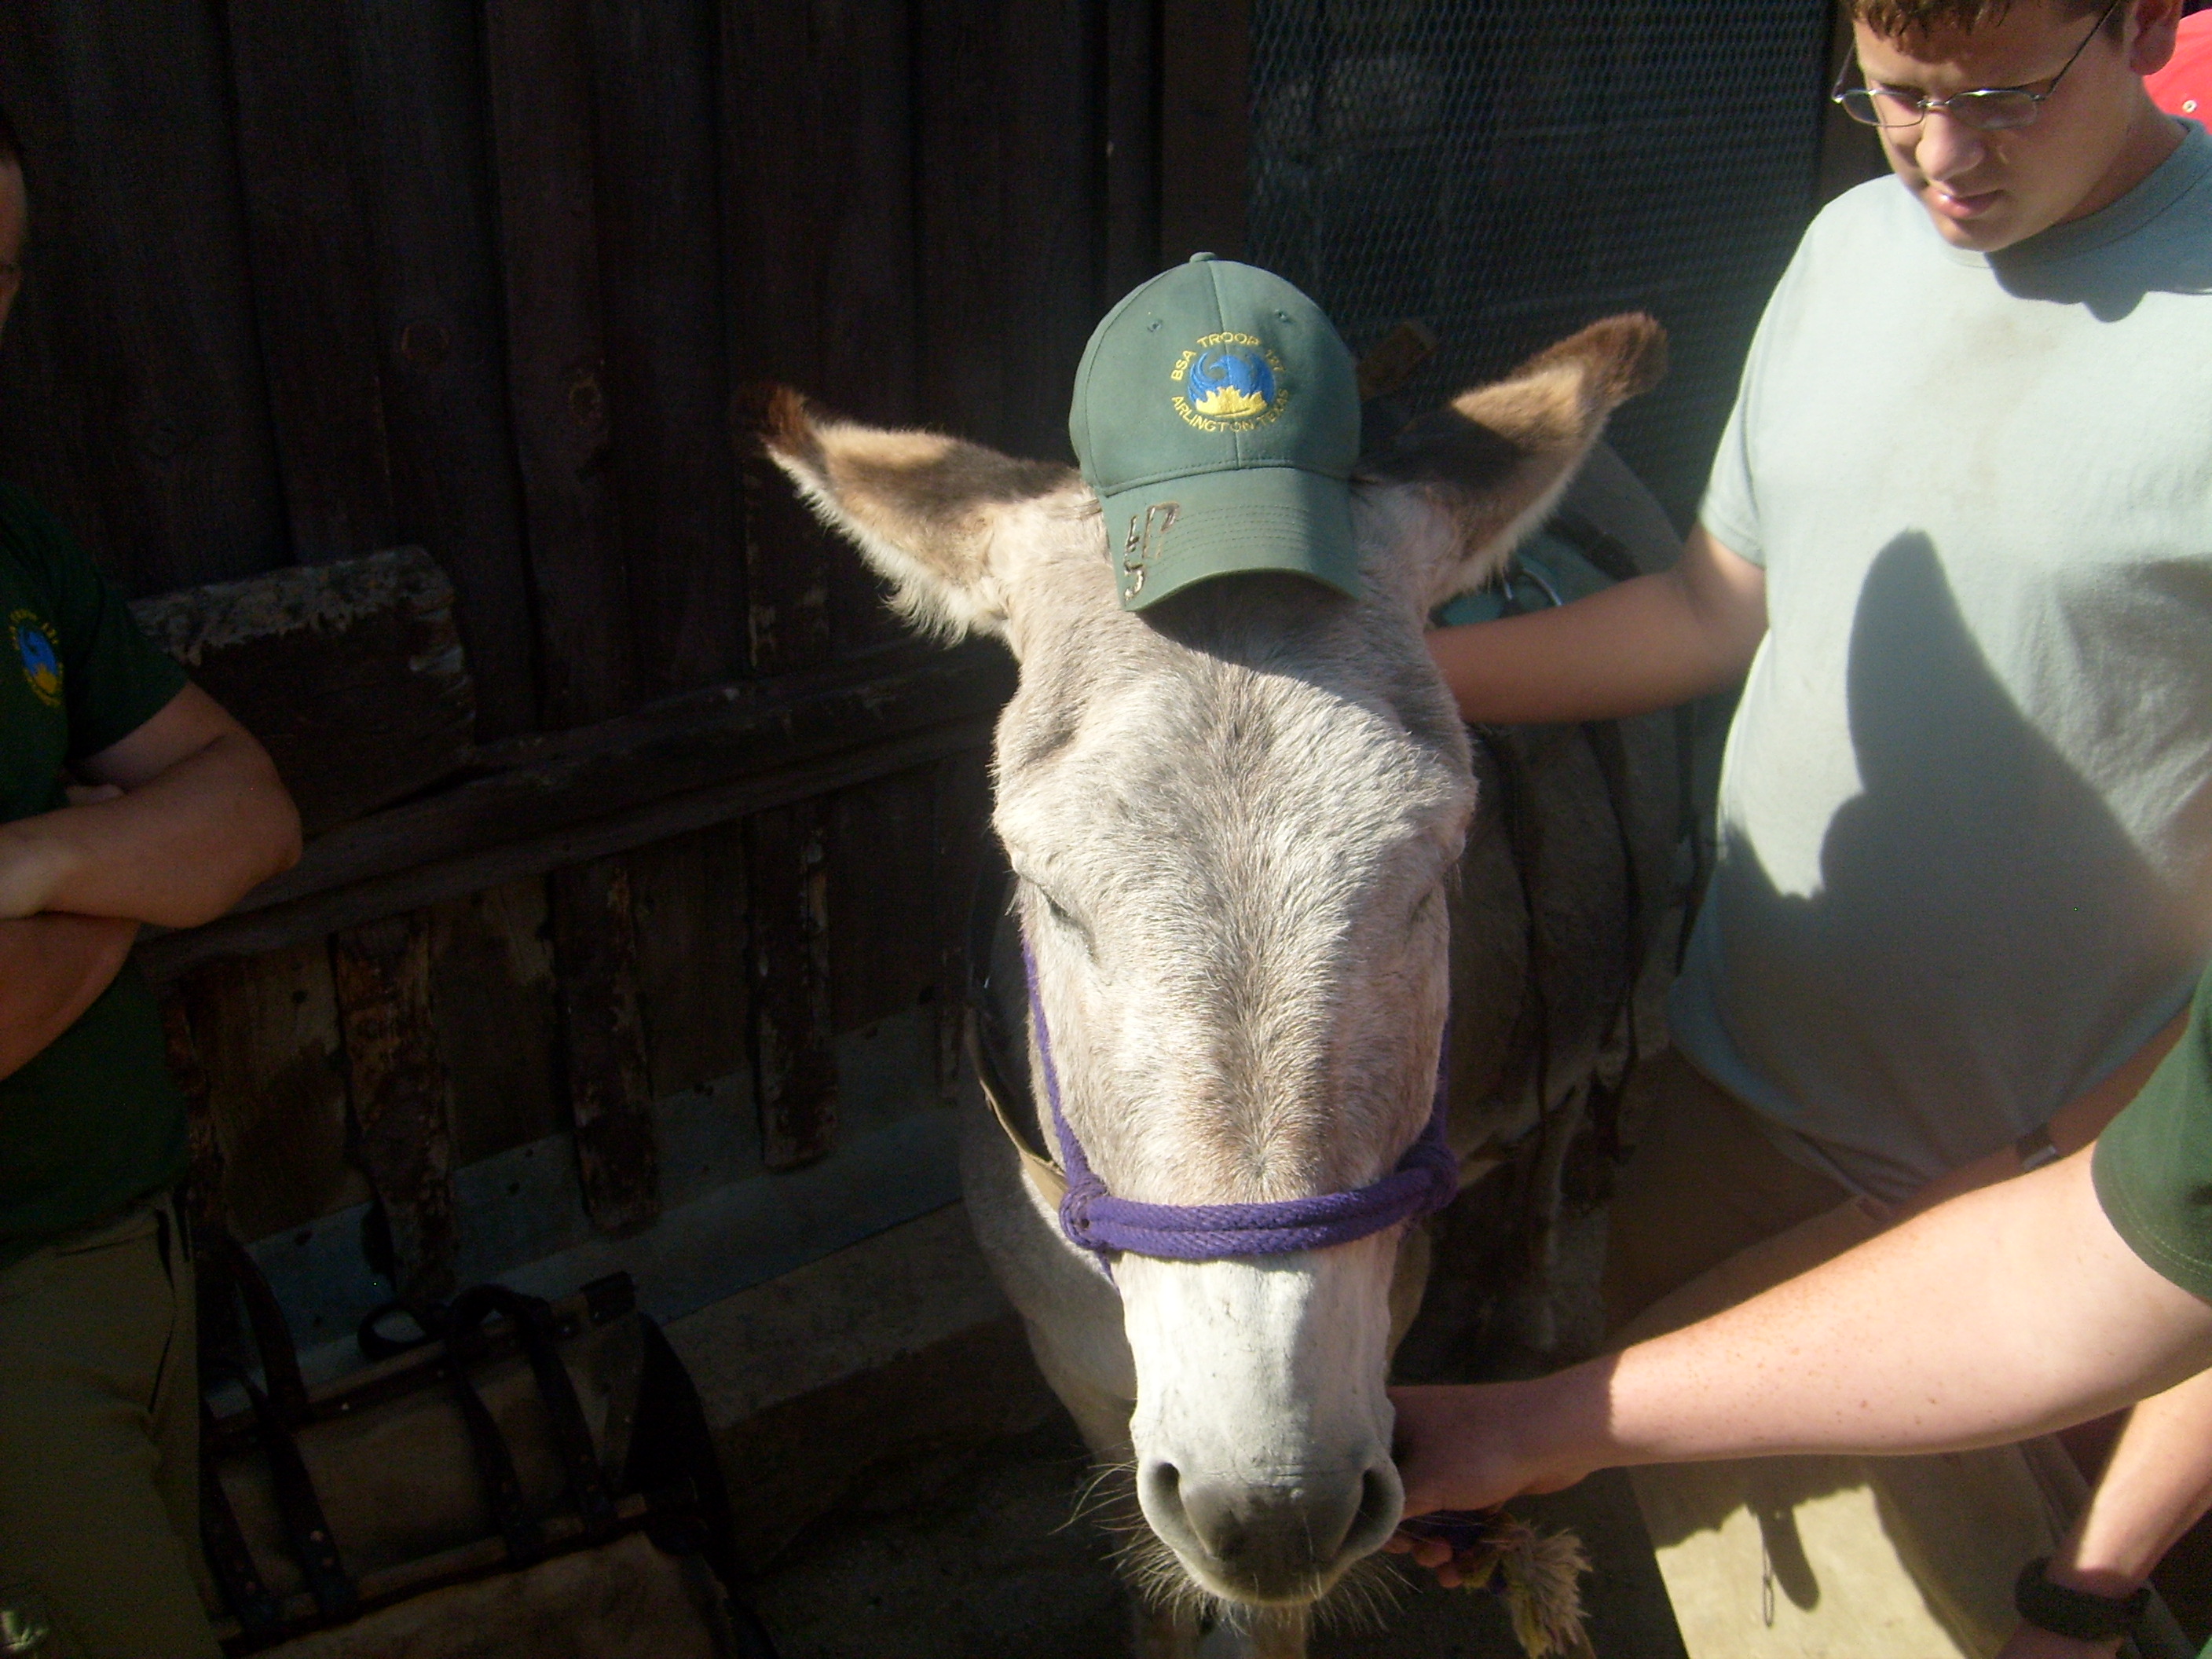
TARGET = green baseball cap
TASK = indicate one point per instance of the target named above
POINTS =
(1217, 418)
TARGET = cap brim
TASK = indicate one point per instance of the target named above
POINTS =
(1163, 537)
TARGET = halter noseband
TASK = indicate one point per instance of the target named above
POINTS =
(1425, 1180)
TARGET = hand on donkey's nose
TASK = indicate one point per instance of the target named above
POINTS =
(1471, 1448)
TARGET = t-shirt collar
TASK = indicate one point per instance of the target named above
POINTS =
(2172, 179)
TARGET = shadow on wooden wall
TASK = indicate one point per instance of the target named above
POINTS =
(681, 909)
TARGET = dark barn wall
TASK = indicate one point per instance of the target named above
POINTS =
(487, 277)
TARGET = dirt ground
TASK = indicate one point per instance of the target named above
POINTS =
(982, 1560)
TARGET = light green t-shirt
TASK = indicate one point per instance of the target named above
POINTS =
(1966, 814)
(93, 1121)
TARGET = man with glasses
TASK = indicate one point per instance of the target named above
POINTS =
(1959, 534)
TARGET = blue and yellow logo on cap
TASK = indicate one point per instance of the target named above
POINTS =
(1229, 383)
(42, 664)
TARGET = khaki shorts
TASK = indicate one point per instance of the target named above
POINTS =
(99, 1459)
(1802, 1558)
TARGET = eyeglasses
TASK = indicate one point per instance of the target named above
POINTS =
(1986, 109)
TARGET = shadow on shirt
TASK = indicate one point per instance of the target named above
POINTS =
(2112, 287)
(1928, 975)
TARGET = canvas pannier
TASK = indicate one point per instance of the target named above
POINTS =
(524, 1477)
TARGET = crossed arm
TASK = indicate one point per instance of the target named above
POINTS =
(183, 816)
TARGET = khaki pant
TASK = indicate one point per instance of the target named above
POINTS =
(98, 1467)
(1802, 1558)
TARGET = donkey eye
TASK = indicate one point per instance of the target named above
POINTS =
(1425, 906)
(1061, 915)
(1064, 917)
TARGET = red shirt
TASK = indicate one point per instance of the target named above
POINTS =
(2183, 87)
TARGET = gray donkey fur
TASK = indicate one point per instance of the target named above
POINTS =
(1240, 824)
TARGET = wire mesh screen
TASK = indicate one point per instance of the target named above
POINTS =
(1506, 170)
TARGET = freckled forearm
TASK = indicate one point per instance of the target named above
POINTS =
(2153, 1487)
(2006, 1313)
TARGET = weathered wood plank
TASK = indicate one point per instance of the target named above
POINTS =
(882, 897)
(535, 786)
(299, 147)
(863, 205)
(860, 77)
(214, 1291)
(793, 1025)
(402, 1108)
(351, 674)
(609, 1095)
(799, 111)
(653, 88)
(536, 62)
(1051, 166)
(411, 887)
(202, 1195)
(143, 243)
(267, 1030)
(786, 564)
(44, 421)
(776, 205)
(418, 68)
(963, 296)
(689, 894)
(1205, 49)
(1132, 121)
(963, 829)
(496, 1009)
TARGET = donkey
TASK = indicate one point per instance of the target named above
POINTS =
(1236, 822)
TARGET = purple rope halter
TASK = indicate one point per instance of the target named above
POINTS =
(1425, 1180)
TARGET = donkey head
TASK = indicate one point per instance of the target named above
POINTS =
(1233, 817)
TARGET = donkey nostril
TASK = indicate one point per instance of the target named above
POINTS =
(1380, 1499)
(1382, 1502)
(1161, 1486)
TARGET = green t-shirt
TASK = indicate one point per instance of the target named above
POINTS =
(94, 1120)
(2153, 1163)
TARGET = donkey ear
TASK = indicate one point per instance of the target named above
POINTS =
(1482, 472)
(923, 508)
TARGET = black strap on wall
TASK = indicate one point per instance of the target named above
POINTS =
(672, 1450)
(273, 1332)
(502, 1487)
(229, 1557)
(307, 1531)
(572, 1435)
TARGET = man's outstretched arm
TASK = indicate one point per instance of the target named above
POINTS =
(2007, 1312)
(200, 819)
(1647, 644)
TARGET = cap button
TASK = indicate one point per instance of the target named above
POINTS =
(1200, 258)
